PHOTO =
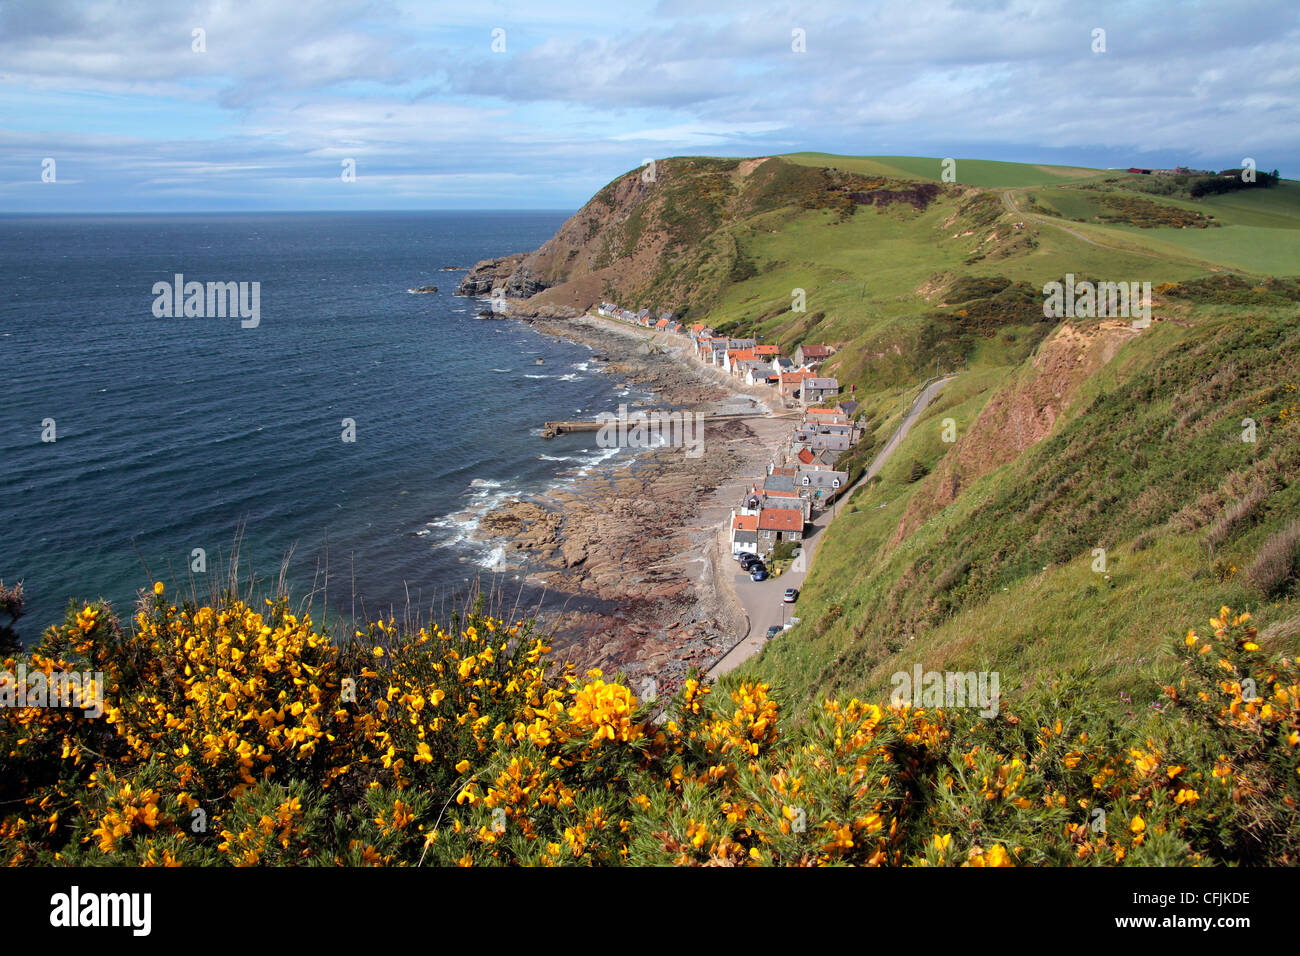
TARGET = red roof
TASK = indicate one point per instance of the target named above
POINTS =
(773, 493)
(766, 350)
(785, 470)
(780, 519)
(806, 456)
(744, 523)
(815, 351)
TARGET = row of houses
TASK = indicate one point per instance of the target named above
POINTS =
(802, 477)
(795, 378)
(646, 318)
(800, 480)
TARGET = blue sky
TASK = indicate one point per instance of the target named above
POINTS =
(135, 119)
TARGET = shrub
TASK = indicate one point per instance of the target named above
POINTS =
(1276, 562)
(1237, 515)
(461, 747)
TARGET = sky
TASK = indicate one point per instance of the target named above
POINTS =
(151, 105)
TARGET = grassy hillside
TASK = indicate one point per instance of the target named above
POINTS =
(1074, 435)
(969, 172)
(1254, 231)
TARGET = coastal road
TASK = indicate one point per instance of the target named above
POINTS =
(762, 600)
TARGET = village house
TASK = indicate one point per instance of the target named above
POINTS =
(790, 384)
(779, 482)
(793, 500)
(809, 356)
(734, 357)
(744, 533)
(768, 352)
(779, 524)
(806, 438)
(823, 481)
(817, 390)
(821, 415)
(782, 365)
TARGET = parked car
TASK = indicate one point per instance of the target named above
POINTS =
(773, 631)
(791, 595)
(751, 562)
(743, 556)
(759, 574)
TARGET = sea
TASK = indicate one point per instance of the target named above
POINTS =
(358, 430)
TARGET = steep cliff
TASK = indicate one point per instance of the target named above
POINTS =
(663, 236)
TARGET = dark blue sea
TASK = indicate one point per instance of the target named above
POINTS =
(173, 434)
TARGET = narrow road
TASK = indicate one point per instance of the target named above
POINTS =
(763, 600)
(1009, 201)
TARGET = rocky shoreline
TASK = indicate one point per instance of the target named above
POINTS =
(643, 535)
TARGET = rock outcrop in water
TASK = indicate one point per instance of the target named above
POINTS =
(489, 274)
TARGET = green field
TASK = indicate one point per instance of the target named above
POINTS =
(969, 172)
(1257, 231)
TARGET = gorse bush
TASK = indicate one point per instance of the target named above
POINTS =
(244, 737)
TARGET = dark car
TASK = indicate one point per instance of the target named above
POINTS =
(753, 561)
(759, 573)
(773, 631)
(791, 595)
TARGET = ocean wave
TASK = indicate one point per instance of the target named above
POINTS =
(604, 455)
(493, 560)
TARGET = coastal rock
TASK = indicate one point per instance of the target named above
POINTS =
(523, 283)
(573, 552)
(526, 310)
(489, 274)
(424, 288)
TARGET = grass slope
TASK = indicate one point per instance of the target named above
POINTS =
(969, 172)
